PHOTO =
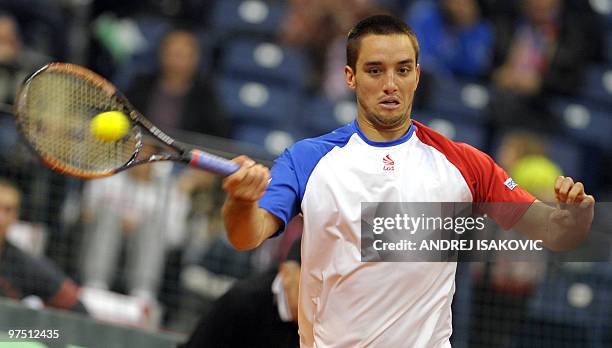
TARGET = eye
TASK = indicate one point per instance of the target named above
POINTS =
(404, 69)
(374, 71)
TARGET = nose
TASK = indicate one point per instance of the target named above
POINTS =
(390, 85)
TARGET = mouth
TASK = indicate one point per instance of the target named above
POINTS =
(389, 103)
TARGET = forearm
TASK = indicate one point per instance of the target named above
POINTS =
(244, 223)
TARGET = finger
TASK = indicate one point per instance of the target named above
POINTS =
(249, 187)
(232, 181)
(261, 189)
(249, 180)
(587, 202)
(575, 191)
(564, 189)
(244, 161)
(237, 177)
(558, 183)
(261, 183)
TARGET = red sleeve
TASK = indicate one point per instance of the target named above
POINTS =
(492, 189)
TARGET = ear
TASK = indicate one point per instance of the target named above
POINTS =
(349, 77)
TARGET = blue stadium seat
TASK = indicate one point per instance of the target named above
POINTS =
(247, 16)
(603, 8)
(153, 30)
(581, 299)
(464, 132)
(266, 61)
(257, 103)
(320, 115)
(598, 84)
(271, 140)
(584, 123)
(462, 100)
(567, 155)
(608, 45)
(8, 134)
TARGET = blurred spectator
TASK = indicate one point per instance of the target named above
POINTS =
(23, 275)
(213, 265)
(142, 212)
(176, 96)
(16, 62)
(260, 311)
(44, 25)
(516, 145)
(453, 37)
(184, 11)
(320, 27)
(543, 53)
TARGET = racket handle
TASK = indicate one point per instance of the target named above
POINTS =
(203, 160)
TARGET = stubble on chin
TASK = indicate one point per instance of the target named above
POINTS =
(387, 122)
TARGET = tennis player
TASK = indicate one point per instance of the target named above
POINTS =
(383, 156)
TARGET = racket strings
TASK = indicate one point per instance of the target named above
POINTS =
(56, 117)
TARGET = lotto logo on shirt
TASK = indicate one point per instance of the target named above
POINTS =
(388, 163)
(510, 183)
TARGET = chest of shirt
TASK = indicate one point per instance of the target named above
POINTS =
(410, 172)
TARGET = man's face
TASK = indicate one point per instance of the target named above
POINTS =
(180, 54)
(9, 41)
(540, 11)
(9, 208)
(385, 78)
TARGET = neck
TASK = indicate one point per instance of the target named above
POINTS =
(379, 134)
(176, 85)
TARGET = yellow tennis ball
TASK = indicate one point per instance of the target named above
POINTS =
(109, 126)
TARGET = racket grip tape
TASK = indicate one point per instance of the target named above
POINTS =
(203, 160)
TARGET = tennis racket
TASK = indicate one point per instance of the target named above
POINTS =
(54, 108)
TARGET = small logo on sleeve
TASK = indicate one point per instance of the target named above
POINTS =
(510, 183)
(388, 163)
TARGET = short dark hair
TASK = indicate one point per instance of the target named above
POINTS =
(377, 25)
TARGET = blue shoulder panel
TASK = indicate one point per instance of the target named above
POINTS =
(292, 170)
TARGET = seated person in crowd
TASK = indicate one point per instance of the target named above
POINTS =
(23, 275)
(541, 54)
(453, 37)
(260, 311)
(16, 60)
(176, 96)
(541, 50)
(138, 214)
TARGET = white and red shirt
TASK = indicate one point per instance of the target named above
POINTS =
(348, 303)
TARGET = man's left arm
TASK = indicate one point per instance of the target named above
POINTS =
(564, 227)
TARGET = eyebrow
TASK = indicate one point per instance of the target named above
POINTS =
(376, 63)
(407, 61)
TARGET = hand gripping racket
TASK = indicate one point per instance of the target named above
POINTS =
(54, 108)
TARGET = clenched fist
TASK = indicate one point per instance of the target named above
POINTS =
(249, 183)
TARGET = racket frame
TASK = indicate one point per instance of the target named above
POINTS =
(184, 153)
